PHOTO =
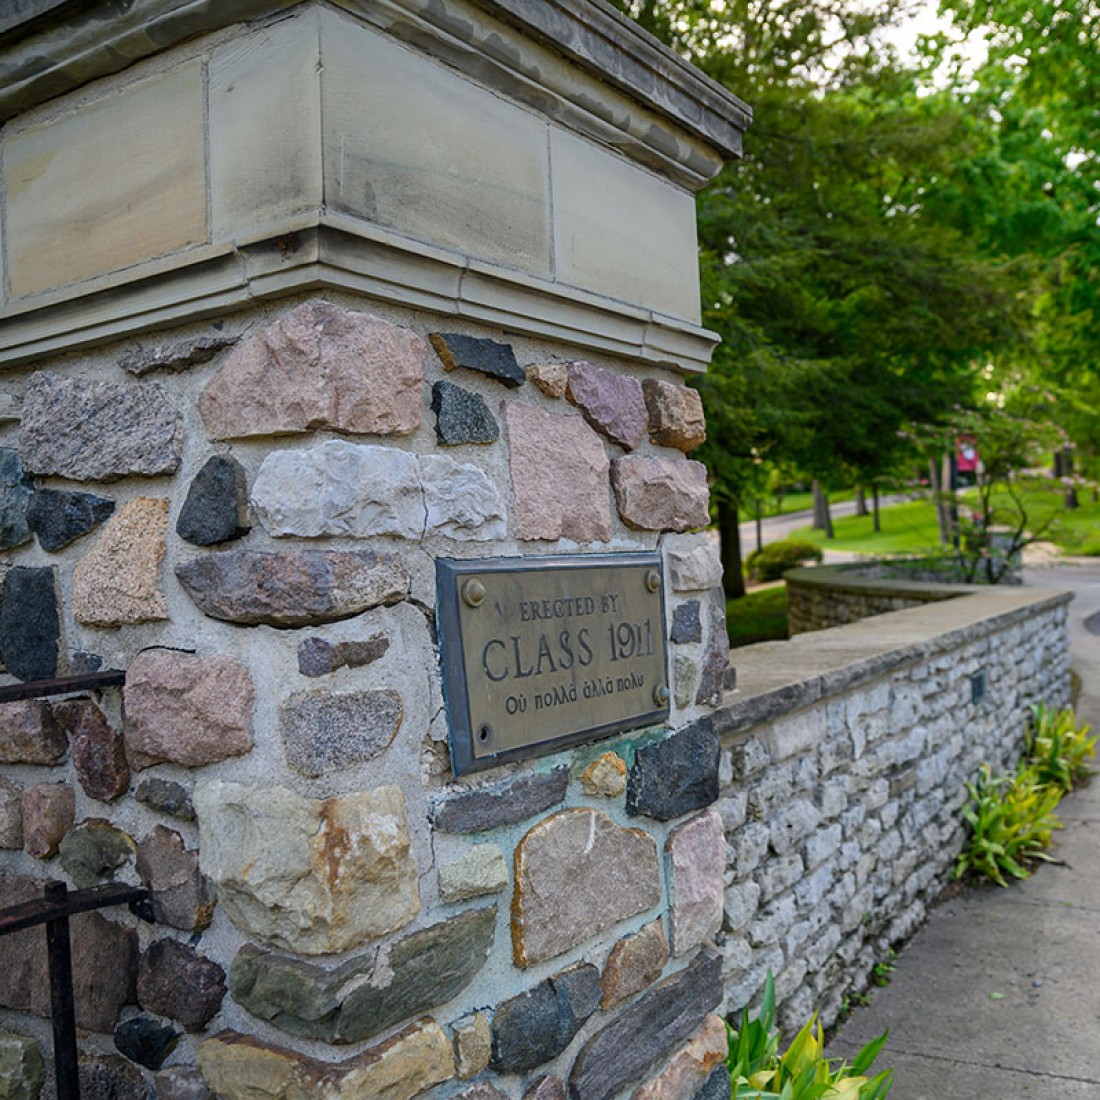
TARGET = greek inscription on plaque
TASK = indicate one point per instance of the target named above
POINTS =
(539, 653)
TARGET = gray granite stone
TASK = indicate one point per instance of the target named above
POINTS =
(672, 777)
(15, 497)
(294, 587)
(104, 1077)
(324, 731)
(475, 353)
(717, 1086)
(716, 656)
(178, 355)
(174, 980)
(182, 1083)
(649, 1030)
(182, 898)
(501, 803)
(30, 627)
(687, 626)
(11, 814)
(319, 657)
(462, 416)
(368, 993)
(98, 431)
(538, 1025)
(216, 507)
(58, 517)
(167, 797)
(143, 1040)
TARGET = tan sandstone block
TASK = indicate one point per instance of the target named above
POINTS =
(119, 180)
(118, 582)
(577, 874)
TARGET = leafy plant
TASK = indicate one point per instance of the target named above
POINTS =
(770, 562)
(1012, 822)
(882, 972)
(1058, 748)
(758, 1071)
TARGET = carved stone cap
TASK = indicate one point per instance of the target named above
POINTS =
(554, 55)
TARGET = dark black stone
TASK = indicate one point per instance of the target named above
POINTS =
(673, 777)
(462, 416)
(167, 797)
(686, 624)
(145, 1041)
(648, 1031)
(496, 360)
(58, 518)
(717, 1086)
(215, 508)
(318, 657)
(30, 632)
(538, 1025)
(502, 803)
(716, 657)
(80, 662)
(15, 496)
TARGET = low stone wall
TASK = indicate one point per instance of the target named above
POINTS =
(844, 759)
(819, 597)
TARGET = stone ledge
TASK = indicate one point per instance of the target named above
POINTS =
(840, 578)
(776, 678)
(345, 254)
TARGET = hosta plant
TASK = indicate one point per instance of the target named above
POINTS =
(758, 1071)
(1011, 821)
(1058, 748)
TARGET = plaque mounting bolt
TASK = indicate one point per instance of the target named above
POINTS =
(660, 695)
(652, 580)
(473, 593)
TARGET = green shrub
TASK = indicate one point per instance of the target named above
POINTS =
(1058, 748)
(770, 562)
(1011, 819)
(758, 1071)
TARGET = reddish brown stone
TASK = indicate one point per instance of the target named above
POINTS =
(48, 813)
(559, 476)
(675, 415)
(612, 403)
(99, 751)
(174, 980)
(186, 709)
(660, 494)
(181, 897)
(548, 1087)
(634, 963)
(99, 991)
(318, 366)
(29, 734)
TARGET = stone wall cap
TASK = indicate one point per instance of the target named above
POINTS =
(778, 678)
(49, 47)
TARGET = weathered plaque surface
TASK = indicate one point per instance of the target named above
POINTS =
(541, 652)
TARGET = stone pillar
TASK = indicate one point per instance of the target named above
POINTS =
(297, 299)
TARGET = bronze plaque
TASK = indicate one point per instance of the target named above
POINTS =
(540, 652)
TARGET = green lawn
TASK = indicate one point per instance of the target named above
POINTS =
(761, 616)
(911, 528)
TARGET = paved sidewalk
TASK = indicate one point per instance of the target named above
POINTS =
(998, 996)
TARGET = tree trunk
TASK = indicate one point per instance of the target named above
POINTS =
(861, 501)
(821, 507)
(729, 534)
(936, 486)
(828, 517)
(877, 526)
(949, 483)
(759, 525)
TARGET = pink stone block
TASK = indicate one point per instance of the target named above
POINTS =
(696, 853)
(559, 475)
(661, 494)
(611, 402)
